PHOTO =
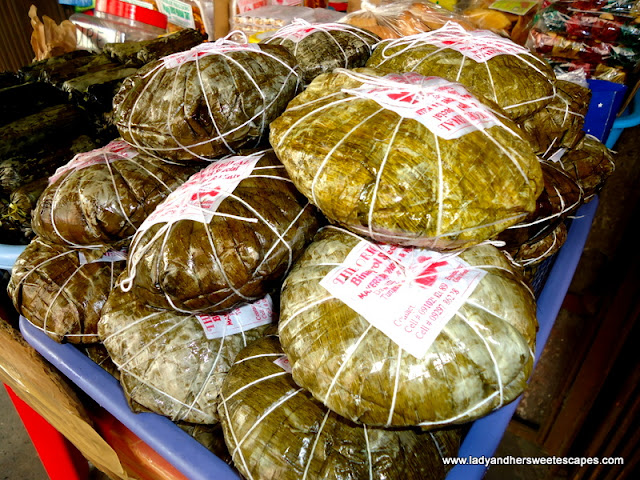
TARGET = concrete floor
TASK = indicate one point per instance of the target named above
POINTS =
(18, 458)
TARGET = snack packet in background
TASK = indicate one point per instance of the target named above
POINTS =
(50, 39)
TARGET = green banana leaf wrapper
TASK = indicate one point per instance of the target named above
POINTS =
(276, 429)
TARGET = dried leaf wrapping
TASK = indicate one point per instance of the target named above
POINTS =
(275, 429)
(166, 362)
(590, 163)
(394, 179)
(238, 256)
(559, 124)
(57, 293)
(205, 102)
(561, 197)
(103, 196)
(530, 255)
(480, 360)
(320, 48)
(517, 80)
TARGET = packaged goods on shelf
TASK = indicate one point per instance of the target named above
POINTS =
(494, 67)
(225, 237)
(174, 363)
(263, 406)
(103, 196)
(181, 107)
(271, 17)
(320, 48)
(407, 159)
(400, 19)
(560, 198)
(62, 290)
(390, 336)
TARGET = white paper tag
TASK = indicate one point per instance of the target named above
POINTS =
(447, 109)
(110, 256)
(116, 150)
(199, 197)
(239, 320)
(407, 293)
(301, 29)
(283, 363)
(244, 6)
(557, 156)
(478, 45)
(219, 47)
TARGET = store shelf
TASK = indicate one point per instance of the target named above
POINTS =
(198, 463)
(9, 254)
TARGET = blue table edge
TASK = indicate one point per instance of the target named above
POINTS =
(198, 463)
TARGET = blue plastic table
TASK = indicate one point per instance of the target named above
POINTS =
(196, 462)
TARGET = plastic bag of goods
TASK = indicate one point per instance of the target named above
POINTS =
(104, 195)
(226, 237)
(173, 363)
(400, 19)
(62, 291)
(276, 429)
(488, 65)
(392, 336)
(206, 102)
(320, 48)
(407, 159)
(504, 17)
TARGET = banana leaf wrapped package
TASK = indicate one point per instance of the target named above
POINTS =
(561, 197)
(62, 291)
(226, 237)
(276, 429)
(391, 336)
(559, 124)
(320, 48)
(206, 102)
(491, 66)
(172, 363)
(407, 159)
(530, 255)
(104, 195)
(590, 163)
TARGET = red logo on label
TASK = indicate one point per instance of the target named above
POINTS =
(427, 276)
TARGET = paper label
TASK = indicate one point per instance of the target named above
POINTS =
(446, 109)
(283, 363)
(407, 293)
(301, 29)
(199, 197)
(116, 150)
(177, 12)
(216, 48)
(513, 6)
(244, 6)
(479, 45)
(110, 256)
(239, 320)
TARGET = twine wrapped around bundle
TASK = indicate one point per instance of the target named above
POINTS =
(559, 124)
(407, 159)
(167, 361)
(561, 197)
(275, 429)
(491, 66)
(62, 291)
(225, 237)
(478, 360)
(103, 196)
(321, 48)
(206, 102)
